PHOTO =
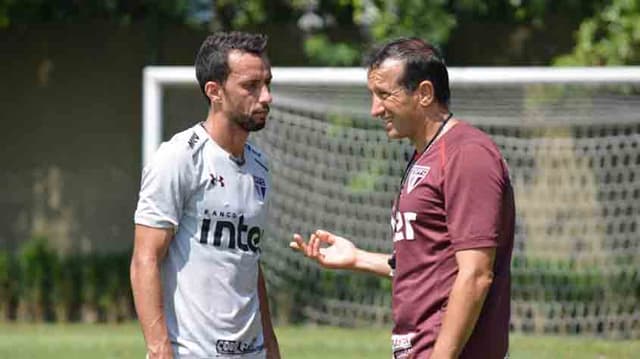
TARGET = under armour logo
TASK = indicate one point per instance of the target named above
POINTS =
(215, 180)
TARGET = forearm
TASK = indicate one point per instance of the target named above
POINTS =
(147, 295)
(270, 340)
(463, 309)
(370, 262)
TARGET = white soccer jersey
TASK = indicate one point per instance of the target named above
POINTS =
(210, 273)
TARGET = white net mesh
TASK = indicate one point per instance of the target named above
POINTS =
(574, 156)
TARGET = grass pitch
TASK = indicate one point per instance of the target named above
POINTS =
(309, 342)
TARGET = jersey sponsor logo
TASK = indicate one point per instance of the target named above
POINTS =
(193, 140)
(235, 234)
(401, 345)
(223, 214)
(260, 185)
(236, 347)
(402, 226)
(416, 175)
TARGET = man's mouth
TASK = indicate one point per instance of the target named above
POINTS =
(262, 113)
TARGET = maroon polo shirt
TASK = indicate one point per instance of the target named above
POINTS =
(457, 196)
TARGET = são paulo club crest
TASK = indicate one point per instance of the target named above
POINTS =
(416, 175)
(261, 186)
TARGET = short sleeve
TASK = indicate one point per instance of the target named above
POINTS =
(267, 177)
(162, 189)
(474, 187)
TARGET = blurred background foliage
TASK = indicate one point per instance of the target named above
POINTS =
(337, 31)
(39, 284)
(610, 37)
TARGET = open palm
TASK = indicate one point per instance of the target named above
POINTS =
(339, 254)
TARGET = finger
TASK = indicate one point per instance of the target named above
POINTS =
(312, 240)
(325, 236)
(298, 243)
(314, 245)
(318, 249)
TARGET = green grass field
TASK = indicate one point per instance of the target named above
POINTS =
(308, 342)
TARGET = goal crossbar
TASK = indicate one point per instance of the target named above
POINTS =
(156, 77)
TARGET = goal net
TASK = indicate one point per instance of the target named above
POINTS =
(570, 136)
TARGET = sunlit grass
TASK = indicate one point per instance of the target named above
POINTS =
(309, 342)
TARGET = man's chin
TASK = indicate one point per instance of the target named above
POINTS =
(393, 135)
(257, 124)
(256, 127)
(252, 124)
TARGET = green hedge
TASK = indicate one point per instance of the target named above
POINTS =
(564, 281)
(37, 284)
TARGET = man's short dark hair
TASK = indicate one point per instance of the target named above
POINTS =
(422, 61)
(212, 60)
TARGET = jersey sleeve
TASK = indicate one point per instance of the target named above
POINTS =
(474, 188)
(267, 177)
(163, 189)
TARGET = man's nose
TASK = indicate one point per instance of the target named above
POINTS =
(265, 95)
(376, 106)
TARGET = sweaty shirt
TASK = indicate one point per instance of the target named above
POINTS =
(457, 196)
(210, 273)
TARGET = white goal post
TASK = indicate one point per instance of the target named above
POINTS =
(155, 78)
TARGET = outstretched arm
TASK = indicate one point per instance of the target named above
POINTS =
(341, 253)
(149, 249)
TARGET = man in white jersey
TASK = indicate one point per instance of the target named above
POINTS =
(197, 284)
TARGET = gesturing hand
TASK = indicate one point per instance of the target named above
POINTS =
(340, 254)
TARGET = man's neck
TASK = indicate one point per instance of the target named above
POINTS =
(431, 129)
(227, 134)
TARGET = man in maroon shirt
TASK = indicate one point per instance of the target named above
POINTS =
(453, 219)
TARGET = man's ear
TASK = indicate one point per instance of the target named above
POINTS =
(426, 93)
(213, 90)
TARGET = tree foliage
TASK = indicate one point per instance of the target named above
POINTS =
(610, 37)
(390, 19)
(322, 51)
(22, 12)
(237, 14)
(435, 20)
(377, 21)
(337, 31)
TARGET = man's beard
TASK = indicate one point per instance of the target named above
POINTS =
(248, 123)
